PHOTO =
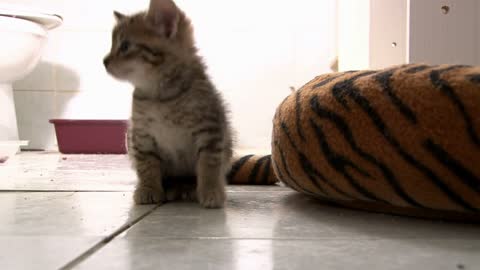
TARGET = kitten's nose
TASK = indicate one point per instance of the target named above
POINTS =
(106, 61)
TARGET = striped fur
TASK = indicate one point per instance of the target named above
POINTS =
(402, 140)
(252, 170)
(179, 128)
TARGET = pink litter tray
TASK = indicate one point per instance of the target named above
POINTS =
(91, 136)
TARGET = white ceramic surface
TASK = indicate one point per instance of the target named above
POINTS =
(20, 49)
(8, 118)
(46, 20)
(23, 34)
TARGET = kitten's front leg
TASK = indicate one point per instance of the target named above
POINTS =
(148, 164)
(149, 188)
(211, 178)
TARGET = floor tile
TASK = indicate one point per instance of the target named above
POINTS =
(77, 202)
(46, 230)
(47, 171)
(57, 172)
(397, 254)
(41, 252)
(66, 213)
(284, 214)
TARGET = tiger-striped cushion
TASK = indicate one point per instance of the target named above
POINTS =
(402, 140)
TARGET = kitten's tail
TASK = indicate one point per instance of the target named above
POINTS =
(252, 170)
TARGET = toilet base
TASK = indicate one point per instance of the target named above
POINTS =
(8, 116)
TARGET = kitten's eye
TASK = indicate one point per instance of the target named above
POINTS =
(124, 46)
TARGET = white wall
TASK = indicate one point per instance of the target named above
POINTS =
(255, 51)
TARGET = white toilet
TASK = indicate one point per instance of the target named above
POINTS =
(23, 34)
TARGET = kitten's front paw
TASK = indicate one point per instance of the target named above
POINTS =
(212, 197)
(146, 195)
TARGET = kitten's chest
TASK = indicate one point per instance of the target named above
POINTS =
(172, 138)
(177, 144)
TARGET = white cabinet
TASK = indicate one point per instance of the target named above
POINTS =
(379, 33)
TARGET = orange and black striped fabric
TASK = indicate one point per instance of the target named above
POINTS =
(402, 140)
(252, 170)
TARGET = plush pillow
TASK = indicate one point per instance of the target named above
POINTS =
(402, 140)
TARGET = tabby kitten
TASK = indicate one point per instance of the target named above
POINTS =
(179, 128)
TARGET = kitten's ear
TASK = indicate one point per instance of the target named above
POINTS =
(118, 16)
(163, 15)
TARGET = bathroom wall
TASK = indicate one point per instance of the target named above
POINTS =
(255, 50)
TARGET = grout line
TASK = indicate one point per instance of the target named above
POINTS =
(60, 191)
(273, 238)
(85, 255)
(303, 239)
(49, 90)
(97, 30)
(285, 190)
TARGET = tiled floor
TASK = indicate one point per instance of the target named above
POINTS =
(76, 212)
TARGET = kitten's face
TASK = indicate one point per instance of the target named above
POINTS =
(145, 43)
(128, 57)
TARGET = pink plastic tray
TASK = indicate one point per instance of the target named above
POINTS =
(91, 136)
